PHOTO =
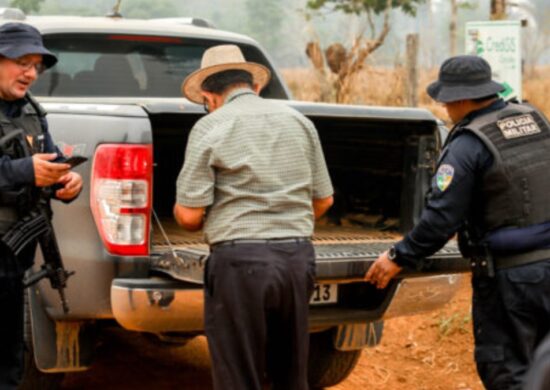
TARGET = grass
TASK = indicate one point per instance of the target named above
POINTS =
(451, 324)
(386, 87)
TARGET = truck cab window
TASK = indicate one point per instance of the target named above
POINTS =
(130, 65)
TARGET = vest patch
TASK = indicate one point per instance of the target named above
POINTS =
(518, 126)
(444, 176)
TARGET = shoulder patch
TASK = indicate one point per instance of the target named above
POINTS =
(518, 126)
(444, 176)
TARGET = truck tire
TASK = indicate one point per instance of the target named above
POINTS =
(328, 366)
(33, 378)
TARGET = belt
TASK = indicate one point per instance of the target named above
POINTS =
(521, 259)
(282, 240)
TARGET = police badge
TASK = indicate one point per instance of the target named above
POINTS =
(444, 176)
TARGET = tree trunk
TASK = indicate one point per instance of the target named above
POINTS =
(498, 9)
(430, 37)
(412, 70)
(452, 27)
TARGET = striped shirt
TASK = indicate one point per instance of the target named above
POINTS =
(256, 165)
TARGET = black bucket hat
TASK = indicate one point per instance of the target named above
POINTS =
(19, 39)
(464, 78)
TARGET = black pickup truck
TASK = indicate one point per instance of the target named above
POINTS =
(115, 97)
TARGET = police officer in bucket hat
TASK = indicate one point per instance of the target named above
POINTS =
(22, 58)
(491, 187)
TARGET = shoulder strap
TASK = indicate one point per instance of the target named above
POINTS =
(37, 107)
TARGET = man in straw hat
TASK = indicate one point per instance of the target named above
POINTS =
(491, 186)
(22, 58)
(255, 173)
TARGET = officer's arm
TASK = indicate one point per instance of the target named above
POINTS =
(69, 186)
(453, 188)
(16, 172)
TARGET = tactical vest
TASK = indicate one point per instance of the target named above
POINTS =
(29, 122)
(516, 188)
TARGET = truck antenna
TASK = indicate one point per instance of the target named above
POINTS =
(115, 13)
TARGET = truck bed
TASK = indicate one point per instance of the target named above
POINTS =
(323, 235)
(342, 252)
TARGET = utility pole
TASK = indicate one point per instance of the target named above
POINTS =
(498, 9)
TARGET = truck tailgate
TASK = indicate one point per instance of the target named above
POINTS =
(343, 254)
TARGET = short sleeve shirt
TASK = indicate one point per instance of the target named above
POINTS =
(256, 165)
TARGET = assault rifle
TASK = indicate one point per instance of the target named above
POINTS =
(33, 205)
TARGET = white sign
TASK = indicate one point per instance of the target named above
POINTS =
(499, 43)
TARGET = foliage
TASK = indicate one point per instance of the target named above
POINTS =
(144, 9)
(269, 34)
(358, 7)
(345, 63)
(456, 322)
(26, 6)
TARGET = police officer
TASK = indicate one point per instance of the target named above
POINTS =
(22, 58)
(491, 186)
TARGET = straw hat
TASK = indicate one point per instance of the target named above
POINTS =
(218, 59)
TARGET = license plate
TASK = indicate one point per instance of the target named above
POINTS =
(324, 294)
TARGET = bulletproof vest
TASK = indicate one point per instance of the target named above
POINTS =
(515, 189)
(29, 122)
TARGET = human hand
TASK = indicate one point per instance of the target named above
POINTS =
(382, 271)
(72, 184)
(47, 173)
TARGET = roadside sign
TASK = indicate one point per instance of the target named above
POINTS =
(499, 43)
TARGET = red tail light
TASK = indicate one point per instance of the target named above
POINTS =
(121, 197)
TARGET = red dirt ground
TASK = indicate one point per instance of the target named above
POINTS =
(432, 351)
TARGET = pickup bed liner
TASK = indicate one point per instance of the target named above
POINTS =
(341, 253)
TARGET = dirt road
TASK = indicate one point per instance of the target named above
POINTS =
(425, 352)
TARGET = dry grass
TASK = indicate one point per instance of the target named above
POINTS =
(386, 87)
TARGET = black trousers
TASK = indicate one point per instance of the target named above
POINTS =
(256, 314)
(511, 314)
(11, 332)
(12, 306)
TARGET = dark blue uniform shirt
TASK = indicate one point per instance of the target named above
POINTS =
(455, 193)
(18, 172)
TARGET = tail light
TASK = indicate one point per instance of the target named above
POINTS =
(121, 197)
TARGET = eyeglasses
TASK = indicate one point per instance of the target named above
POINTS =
(26, 65)
(205, 105)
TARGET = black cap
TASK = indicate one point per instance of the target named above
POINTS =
(464, 78)
(19, 39)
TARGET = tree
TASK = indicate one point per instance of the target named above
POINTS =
(27, 6)
(455, 5)
(343, 63)
(265, 21)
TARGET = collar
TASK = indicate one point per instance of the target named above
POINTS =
(237, 93)
(12, 108)
(494, 106)
(498, 104)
